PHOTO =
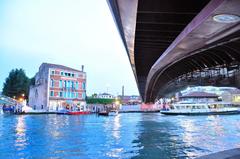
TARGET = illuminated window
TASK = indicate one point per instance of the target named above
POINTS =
(236, 98)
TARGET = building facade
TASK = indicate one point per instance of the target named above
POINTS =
(130, 100)
(58, 86)
(105, 96)
(232, 97)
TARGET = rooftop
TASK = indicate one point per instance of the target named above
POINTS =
(105, 94)
(49, 65)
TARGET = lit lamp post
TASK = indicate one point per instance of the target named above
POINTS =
(117, 102)
(20, 99)
(23, 95)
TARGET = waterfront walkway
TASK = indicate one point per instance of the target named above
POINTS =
(227, 154)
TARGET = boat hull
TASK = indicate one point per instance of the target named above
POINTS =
(113, 113)
(79, 113)
(8, 110)
(201, 113)
(34, 113)
(103, 113)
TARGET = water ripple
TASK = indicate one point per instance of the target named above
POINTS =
(123, 136)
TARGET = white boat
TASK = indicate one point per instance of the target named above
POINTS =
(113, 112)
(216, 108)
(29, 110)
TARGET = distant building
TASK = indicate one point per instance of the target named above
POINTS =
(130, 99)
(105, 96)
(231, 96)
(58, 86)
(208, 89)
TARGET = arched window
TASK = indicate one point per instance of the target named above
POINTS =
(72, 84)
(76, 85)
(60, 84)
(83, 95)
(52, 83)
(36, 93)
(83, 85)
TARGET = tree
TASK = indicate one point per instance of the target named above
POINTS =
(16, 84)
(99, 101)
(94, 95)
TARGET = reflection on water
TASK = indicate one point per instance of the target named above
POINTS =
(115, 152)
(116, 127)
(20, 141)
(123, 136)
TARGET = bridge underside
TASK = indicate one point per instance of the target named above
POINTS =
(224, 76)
(217, 66)
(173, 41)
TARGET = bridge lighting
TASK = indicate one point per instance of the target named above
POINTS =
(226, 18)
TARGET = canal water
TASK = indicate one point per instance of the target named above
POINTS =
(130, 135)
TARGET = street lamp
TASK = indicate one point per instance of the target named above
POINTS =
(20, 99)
(117, 102)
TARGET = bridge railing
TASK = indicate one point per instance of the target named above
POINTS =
(214, 76)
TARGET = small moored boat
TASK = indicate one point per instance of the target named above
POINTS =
(113, 112)
(103, 113)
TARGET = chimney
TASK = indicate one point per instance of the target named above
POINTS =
(82, 68)
(122, 91)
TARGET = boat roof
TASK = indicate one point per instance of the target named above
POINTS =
(199, 95)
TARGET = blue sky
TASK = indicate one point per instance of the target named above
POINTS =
(68, 32)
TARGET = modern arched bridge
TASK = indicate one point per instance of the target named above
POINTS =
(174, 43)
